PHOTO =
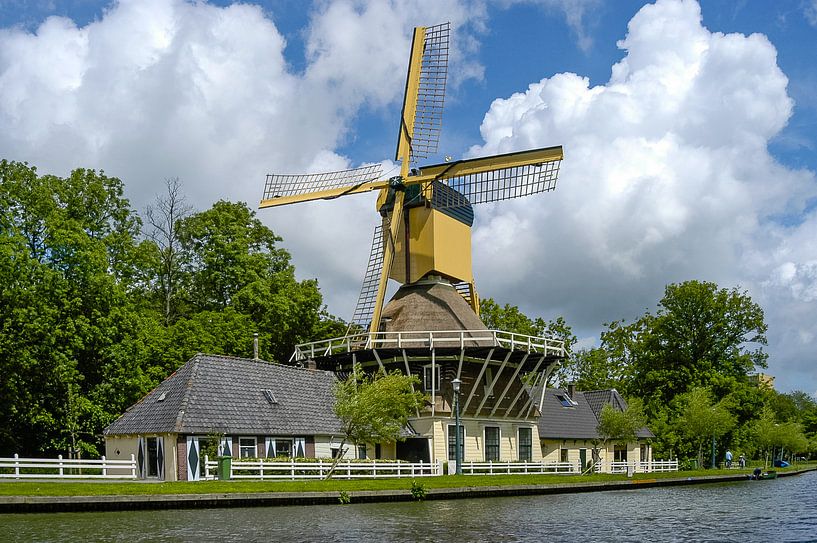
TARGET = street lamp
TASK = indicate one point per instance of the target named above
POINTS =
(456, 384)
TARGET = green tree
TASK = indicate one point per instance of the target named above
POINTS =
(699, 332)
(374, 407)
(70, 261)
(619, 426)
(701, 420)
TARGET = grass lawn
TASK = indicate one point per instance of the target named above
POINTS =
(99, 488)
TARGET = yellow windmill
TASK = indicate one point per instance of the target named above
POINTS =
(426, 211)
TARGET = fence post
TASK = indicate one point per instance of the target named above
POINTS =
(292, 468)
(16, 466)
(104, 467)
(133, 466)
(59, 457)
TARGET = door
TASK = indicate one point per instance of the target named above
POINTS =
(583, 458)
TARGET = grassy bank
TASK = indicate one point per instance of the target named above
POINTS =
(40, 488)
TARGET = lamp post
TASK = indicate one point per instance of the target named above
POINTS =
(456, 384)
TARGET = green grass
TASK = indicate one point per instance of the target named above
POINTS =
(100, 488)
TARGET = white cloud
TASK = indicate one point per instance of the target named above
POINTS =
(810, 11)
(576, 13)
(666, 177)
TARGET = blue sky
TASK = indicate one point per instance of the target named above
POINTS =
(689, 129)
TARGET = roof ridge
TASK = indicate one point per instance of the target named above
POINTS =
(186, 392)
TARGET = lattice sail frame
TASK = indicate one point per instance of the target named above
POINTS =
(428, 117)
(368, 291)
(282, 185)
(498, 185)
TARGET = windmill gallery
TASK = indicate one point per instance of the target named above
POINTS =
(430, 327)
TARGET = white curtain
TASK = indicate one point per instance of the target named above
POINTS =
(270, 444)
(300, 448)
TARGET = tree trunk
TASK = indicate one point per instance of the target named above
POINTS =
(341, 453)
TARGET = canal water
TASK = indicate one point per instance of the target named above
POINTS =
(780, 510)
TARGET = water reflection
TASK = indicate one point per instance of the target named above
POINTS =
(781, 510)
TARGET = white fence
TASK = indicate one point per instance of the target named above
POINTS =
(71, 468)
(267, 470)
(643, 467)
(500, 468)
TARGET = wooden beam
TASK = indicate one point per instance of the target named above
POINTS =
(478, 379)
(490, 389)
(522, 389)
(510, 382)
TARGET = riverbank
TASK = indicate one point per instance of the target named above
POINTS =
(35, 496)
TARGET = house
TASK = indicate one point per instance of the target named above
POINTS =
(567, 428)
(237, 406)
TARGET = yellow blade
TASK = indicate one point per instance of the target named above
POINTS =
(493, 178)
(423, 102)
(388, 257)
(288, 189)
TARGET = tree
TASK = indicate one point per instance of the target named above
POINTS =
(619, 426)
(592, 369)
(702, 420)
(699, 332)
(164, 217)
(374, 407)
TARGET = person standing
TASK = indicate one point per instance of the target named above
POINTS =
(728, 458)
(742, 461)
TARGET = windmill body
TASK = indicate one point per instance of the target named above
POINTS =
(431, 327)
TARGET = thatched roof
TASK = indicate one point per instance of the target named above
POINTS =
(429, 306)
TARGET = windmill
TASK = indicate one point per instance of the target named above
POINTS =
(426, 211)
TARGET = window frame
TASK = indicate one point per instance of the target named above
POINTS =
(427, 369)
(242, 446)
(490, 446)
(528, 445)
(451, 439)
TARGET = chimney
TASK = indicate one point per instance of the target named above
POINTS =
(255, 346)
(571, 389)
(310, 364)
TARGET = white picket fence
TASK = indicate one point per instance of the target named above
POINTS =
(642, 467)
(504, 468)
(70, 468)
(292, 470)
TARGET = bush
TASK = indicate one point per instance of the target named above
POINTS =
(418, 490)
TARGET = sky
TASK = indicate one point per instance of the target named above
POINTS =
(689, 131)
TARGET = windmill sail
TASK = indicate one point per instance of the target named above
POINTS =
(285, 187)
(368, 291)
(428, 117)
(492, 179)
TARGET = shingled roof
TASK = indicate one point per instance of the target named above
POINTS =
(580, 419)
(210, 394)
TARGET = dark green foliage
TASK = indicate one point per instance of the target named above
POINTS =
(418, 490)
(93, 315)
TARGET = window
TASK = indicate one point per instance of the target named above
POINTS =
(565, 400)
(492, 443)
(361, 452)
(283, 447)
(431, 379)
(563, 456)
(246, 447)
(452, 441)
(153, 456)
(620, 454)
(525, 444)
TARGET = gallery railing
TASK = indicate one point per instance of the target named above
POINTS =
(429, 340)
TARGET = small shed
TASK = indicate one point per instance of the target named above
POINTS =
(233, 406)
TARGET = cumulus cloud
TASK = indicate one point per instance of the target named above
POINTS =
(667, 177)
